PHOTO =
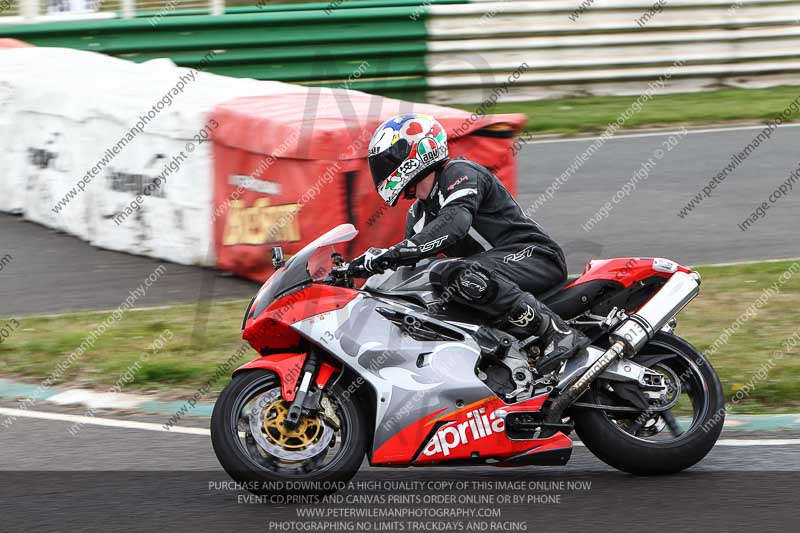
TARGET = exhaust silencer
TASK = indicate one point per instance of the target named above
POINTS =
(631, 336)
(640, 327)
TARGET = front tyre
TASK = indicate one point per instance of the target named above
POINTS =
(658, 442)
(251, 443)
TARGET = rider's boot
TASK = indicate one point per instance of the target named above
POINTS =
(557, 341)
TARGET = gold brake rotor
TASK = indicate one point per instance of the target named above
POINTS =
(307, 432)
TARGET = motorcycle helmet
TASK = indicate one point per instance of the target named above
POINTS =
(404, 150)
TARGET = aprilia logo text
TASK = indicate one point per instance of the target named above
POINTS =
(477, 427)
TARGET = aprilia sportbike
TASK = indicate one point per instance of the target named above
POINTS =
(395, 372)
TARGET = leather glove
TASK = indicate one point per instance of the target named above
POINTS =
(376, 260)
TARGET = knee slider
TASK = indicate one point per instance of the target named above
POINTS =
(469, 282)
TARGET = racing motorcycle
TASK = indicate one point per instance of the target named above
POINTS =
(394, 371)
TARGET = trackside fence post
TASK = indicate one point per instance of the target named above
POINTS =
(29, 9)
(128, 9)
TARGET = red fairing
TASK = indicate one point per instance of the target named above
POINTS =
(271, 331)
(400, 448)
(287, 365)
(326, 370)
(476, 430)
(625, 270)
(559, 441)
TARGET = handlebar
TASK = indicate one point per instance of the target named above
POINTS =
(344, 273)
(358, 271)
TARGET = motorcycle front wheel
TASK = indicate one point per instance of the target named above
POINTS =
(658, 441)
(255, 448)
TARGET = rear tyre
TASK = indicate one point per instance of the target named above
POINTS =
(659, 443)
(316, 458)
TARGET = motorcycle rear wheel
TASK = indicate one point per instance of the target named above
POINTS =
(637, 443)
(314, 459)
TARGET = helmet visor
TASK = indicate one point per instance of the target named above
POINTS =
(383, 164)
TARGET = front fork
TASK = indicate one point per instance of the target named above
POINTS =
(305, 399)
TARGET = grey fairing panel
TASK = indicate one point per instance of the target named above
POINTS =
(409, 282)
(384, 357)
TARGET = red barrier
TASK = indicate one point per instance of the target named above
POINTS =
(13, 43)
(307, 152)
(289, 209)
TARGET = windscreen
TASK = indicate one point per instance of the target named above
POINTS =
(312, 263)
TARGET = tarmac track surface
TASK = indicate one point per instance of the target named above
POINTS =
(119, 479)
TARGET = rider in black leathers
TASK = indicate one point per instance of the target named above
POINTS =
(463, 210)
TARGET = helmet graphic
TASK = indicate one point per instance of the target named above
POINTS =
(403, 150)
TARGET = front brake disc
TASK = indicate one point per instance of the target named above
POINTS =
(311, 437)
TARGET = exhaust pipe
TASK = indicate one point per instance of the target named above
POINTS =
(640, 327)
(632, 335)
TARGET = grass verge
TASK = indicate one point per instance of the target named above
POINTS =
(594, 114)
(188, 359)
